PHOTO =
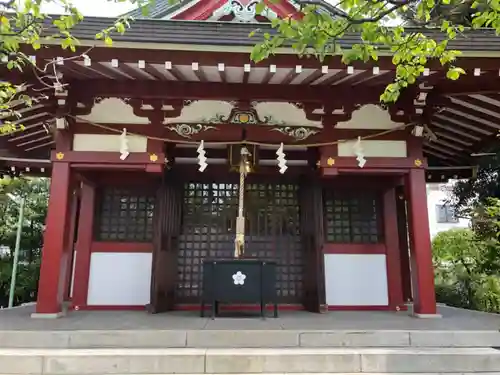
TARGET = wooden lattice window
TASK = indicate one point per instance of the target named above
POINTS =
(352, 217)
(208, 232)
(271, 229)
(273, 233)
(125, 215)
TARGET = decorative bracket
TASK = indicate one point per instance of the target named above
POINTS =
(298, 134)
(188, 130)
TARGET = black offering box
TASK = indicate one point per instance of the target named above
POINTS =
(239, 281)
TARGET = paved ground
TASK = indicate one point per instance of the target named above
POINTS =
(453, 319)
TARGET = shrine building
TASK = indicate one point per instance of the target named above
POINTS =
(145, 141)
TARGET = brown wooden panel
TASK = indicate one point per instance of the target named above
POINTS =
(312, 231)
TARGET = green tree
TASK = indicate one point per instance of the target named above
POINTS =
(475, 192)
(23, 23)
(318, 34)
(35, 191)
(486, 226)
(456, 258)
(460, 12)
(467, 261)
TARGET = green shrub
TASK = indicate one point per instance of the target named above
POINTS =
(26, 282)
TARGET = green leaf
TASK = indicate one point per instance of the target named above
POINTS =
(259, 8)
(454, 73)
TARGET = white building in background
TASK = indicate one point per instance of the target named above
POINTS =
(441, 213)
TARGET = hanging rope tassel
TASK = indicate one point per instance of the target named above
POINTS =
(124, 150)
(239, 241)
(202, 159)
(281, 159)
(358, 151)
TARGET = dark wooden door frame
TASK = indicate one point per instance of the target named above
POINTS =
(168, 213)
(312, 231)
(291, 283)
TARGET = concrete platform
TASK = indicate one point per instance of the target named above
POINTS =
(247, 361)
(452, 320)
(247, 339)
(84, 329)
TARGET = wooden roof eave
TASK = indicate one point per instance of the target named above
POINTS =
(188, 34)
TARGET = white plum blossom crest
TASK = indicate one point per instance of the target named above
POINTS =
(239, 278)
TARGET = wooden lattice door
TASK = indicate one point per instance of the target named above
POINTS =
(272, 233)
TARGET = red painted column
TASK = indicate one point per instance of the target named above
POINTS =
(403, 243)
(424, 297)
(54, 253)
(83, 246)
(70, 242)
(392, 250)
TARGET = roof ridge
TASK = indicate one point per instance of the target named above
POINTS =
(161, 8)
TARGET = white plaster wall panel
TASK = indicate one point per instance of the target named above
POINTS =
(356, 280)
(119, 279)
(369, 116)
(108, 142)
(374, 149)
(285, 114)
(200, 111)
(114, 111)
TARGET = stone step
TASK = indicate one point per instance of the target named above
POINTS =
(245, 339)
(247, 361)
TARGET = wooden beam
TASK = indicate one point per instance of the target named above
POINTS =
(225, 91)
(371, 163)
(84, 157)
(233, 59)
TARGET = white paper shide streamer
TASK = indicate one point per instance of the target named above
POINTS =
(281, 159)
(358, 151)
(124, 150)
(202, 159)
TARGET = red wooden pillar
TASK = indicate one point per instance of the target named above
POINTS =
(392, 247)
(83, 246)
(55, 250)
(424, 297)
(403, 243)
(71, 240)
